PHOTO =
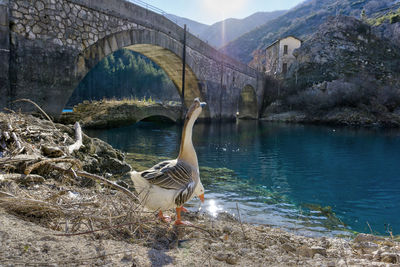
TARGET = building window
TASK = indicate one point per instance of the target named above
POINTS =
(285, 49)
(284, 68)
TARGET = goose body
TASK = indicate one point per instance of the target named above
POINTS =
(167, 185)
(171, 183)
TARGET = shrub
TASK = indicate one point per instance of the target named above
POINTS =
(357, 91)
(394, 19)
(389, 96)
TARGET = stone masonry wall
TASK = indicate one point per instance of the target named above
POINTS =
(63, 22)
(4, 53)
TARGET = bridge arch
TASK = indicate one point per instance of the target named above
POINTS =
(247, 106)
(46, 64)
(163, 50)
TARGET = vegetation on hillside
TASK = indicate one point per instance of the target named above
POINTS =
(301, 21)
(342, 70)
(391, 16)
(125, 74)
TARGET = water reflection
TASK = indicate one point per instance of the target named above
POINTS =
(286, 175)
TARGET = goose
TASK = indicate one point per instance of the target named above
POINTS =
(171, 183)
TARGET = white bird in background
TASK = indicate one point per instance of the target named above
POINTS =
(171, 183)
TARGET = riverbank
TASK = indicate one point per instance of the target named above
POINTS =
(116, 113)
(338, 116)
(55, 216)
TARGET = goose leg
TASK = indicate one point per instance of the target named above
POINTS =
(178, 217)
(164, 218)
(183, 209)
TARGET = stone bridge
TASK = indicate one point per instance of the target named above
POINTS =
(48, 46)
(105, 114)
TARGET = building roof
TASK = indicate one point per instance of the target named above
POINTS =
(282, 39)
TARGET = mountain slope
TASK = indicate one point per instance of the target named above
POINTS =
(194, 27)
(222, 32)
(301, 21)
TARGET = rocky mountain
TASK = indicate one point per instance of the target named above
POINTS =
(345, 74)
(222, 32)
(301, 21)
(386, 24)
(343, 47)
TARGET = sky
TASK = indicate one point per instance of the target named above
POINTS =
(211, 11)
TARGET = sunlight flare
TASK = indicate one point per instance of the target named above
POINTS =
(224, 8)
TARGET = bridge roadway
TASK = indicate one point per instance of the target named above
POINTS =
(48, 46)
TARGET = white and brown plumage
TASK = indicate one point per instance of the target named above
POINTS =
(170, 184)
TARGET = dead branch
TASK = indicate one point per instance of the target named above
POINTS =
(6, 135)
(37, 106)
(98, 179)
(78, 137)
(240, 220)
(74, 162)
(21, 178)
(4, 194)
(18, 159)
(16, 140)
(106, 228)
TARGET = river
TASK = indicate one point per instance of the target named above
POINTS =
(313, 180)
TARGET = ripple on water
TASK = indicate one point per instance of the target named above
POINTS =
(308, 179)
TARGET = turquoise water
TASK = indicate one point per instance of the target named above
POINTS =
(287, 175)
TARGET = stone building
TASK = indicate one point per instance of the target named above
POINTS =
(279, 55)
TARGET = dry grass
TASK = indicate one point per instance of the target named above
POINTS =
(55, 192)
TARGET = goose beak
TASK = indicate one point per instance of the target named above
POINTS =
(201, 198)
(202, 104)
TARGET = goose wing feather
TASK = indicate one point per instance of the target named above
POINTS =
(171, 174)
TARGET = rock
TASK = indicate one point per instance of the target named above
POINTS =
(52, 152)
(220, 257)
(227, 229)
(304, 251)
(310, 252)
(367, 238)
(318, 250)
(115, 166)
(288, 248)
(227, 257)
(390, 257)
(365, 247)
(231, 259)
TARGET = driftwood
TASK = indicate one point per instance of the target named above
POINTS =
(22, 178)
(74, 162)
(78, 137)
(6, 135)
(39, 108)
(4, 194)
(16, 140)
(18, 159)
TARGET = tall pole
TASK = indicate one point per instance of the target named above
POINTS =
(183, 66)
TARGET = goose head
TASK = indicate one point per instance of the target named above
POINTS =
(195, 109)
